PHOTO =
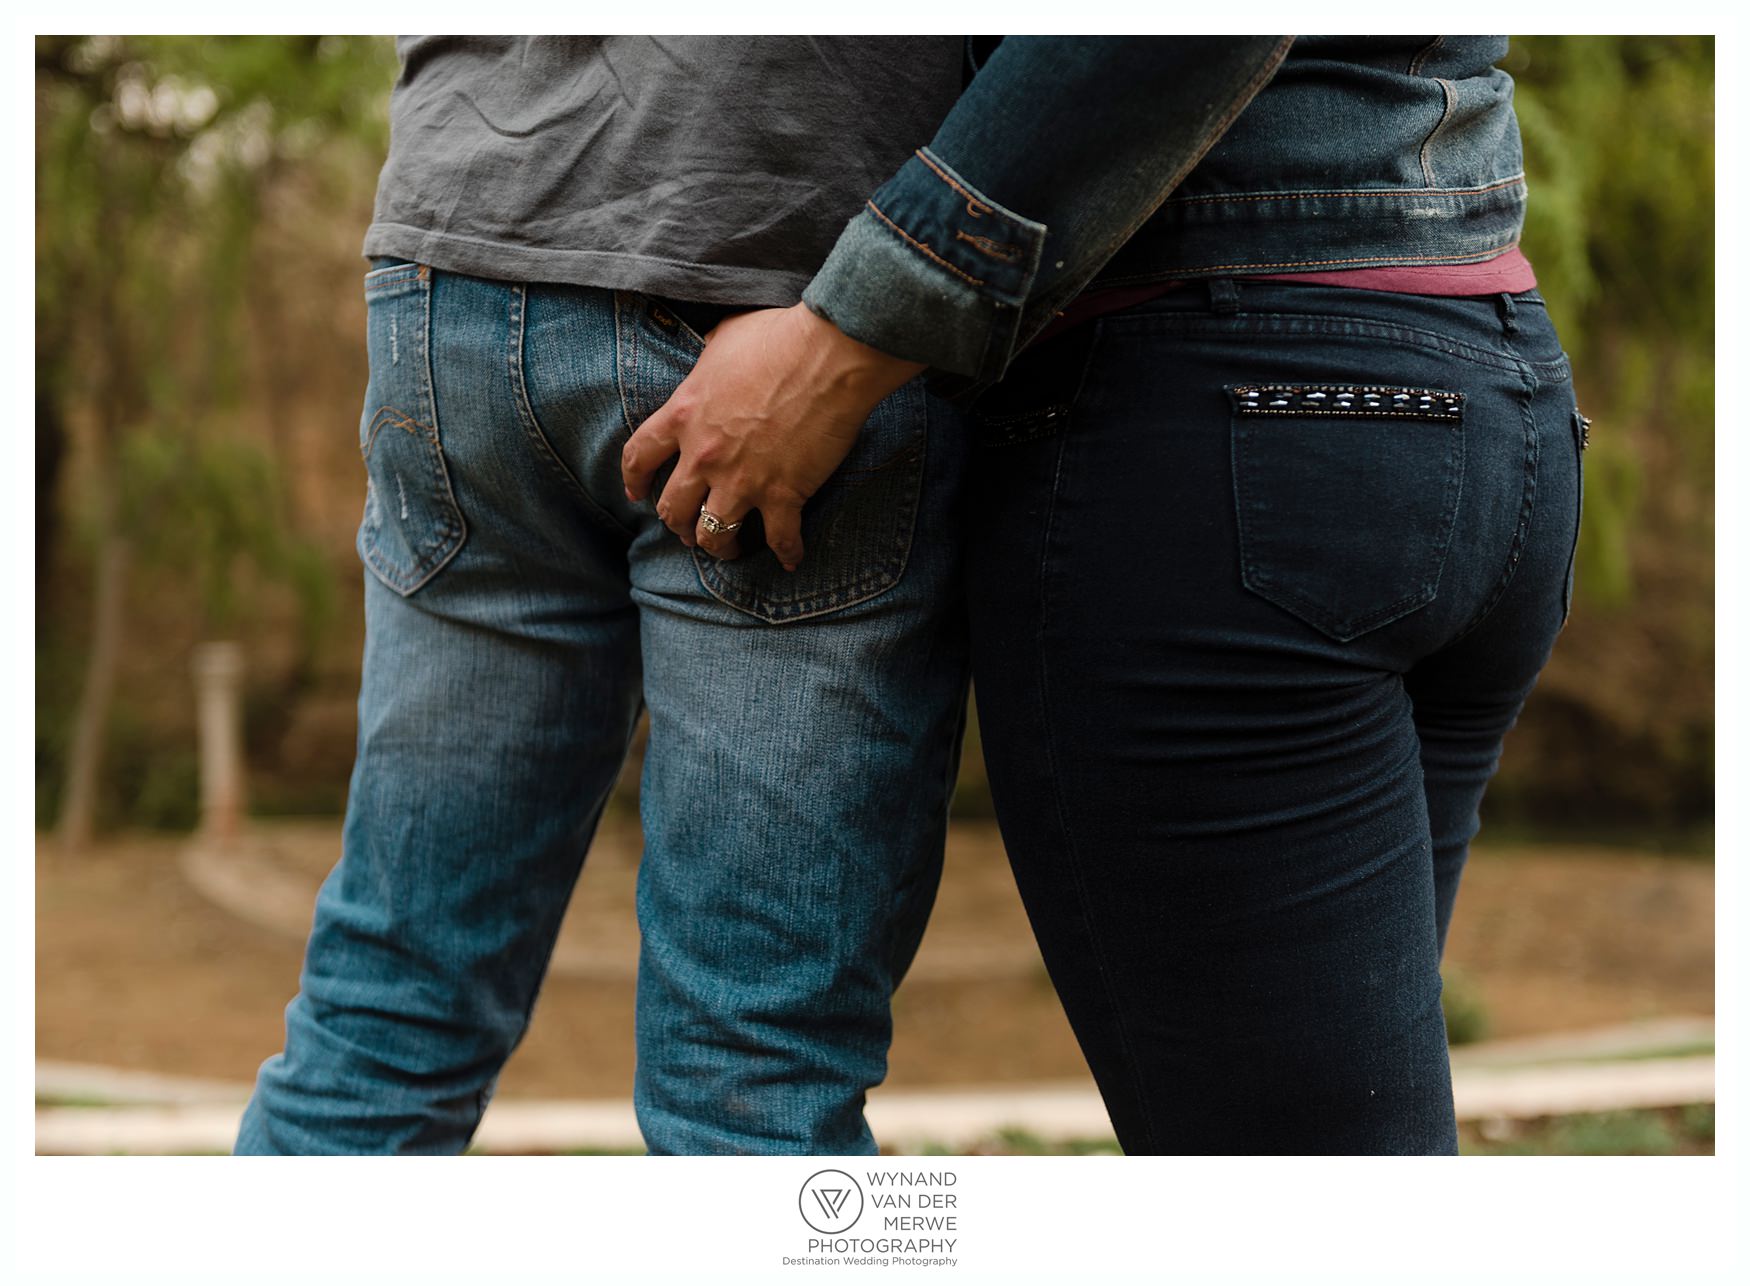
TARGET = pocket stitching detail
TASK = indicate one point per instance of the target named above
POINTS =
(451, 533)
(1267, 584)
(445, 540)
(872, 581)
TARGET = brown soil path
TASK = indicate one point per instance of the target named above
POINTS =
(137, 969)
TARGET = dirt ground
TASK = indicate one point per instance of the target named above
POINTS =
(137, 969)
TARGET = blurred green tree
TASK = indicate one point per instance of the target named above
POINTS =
(1619, 144)
(160, 160)
(1619, 151)
(153, 156)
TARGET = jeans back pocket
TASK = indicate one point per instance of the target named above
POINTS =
(412, 526)
(1346, 495)
(856, 530)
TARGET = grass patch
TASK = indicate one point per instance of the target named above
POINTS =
(1461, 1002)
(1690, 1049)
(1677, 1131)
(1018, 1142)
(1694, 1049)
(74, 1100)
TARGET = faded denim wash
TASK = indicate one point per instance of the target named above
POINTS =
(804, 734)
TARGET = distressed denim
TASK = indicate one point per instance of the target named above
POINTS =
(1074, 162)
(1261, 575)
(804, 735)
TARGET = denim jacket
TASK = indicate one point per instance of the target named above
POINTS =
(1084, 162)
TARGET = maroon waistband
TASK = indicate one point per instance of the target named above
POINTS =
(1508, 273)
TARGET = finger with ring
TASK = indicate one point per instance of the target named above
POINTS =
(717, 527)
(678, 506)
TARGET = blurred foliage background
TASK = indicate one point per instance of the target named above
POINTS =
(200, 204)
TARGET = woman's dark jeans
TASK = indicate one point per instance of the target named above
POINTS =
(1262, 574)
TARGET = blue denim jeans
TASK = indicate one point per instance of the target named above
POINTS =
(1261, 575)
(804, 734)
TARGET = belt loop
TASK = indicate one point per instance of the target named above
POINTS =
(1224, 295)
(1509, 314)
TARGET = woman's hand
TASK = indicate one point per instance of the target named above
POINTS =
(773, 406)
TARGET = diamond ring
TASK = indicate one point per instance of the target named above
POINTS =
(716, 526)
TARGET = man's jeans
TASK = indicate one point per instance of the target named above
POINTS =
(804, 733)
(1261, 575)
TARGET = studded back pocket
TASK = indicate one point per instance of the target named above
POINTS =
(412, 525)
(1345, 496)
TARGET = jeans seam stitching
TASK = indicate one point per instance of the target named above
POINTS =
(1075, 865)
(1577, 424)
(526, 411)
(1426, 52)
(1448, 103)
(626, 365)
(1527, 508)
(1316, 325)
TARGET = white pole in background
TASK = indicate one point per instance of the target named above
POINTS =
(218, 679)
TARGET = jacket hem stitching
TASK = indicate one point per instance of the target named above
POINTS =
(1518, 180)
(919, 246)
(1383, 260)
(974, 206)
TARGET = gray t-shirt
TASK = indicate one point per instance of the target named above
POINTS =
(712, 168)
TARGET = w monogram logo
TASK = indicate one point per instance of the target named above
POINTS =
(831, 1201)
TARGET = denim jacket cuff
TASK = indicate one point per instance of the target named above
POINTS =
(933, 271)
